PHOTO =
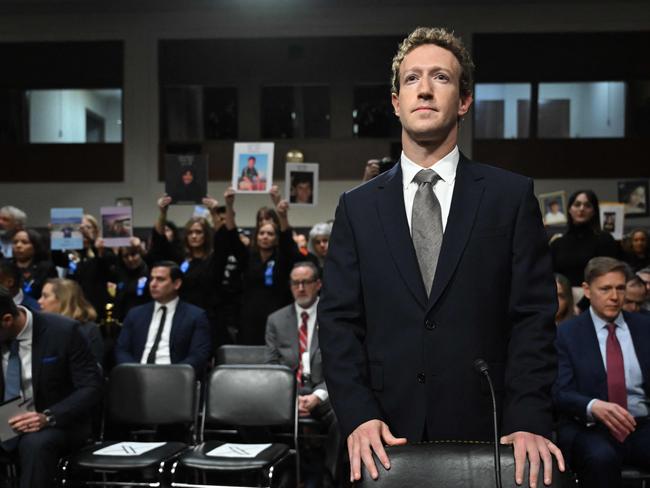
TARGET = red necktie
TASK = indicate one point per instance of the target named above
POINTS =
(616, 390)
(302, 344)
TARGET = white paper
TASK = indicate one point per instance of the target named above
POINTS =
(238, 450)
(128, 448)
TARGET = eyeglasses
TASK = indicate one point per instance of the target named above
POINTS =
(299, 283)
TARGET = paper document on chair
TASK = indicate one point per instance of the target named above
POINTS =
(128, 448)
(238, 450)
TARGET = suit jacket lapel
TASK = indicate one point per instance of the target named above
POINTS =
(176, 324)
(392, 215)
(142, 331)
(314, 343)
(468, 191)
(641, 341)
(37, 351)
(292, 320)
(591, 353)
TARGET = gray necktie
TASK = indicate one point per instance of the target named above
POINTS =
(426, 225)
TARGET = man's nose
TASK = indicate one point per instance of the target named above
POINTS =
(425, 88)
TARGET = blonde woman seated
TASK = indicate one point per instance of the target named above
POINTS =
(65, 297)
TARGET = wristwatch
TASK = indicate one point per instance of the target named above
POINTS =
(50, 419)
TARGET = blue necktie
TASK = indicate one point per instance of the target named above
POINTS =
(12, 375)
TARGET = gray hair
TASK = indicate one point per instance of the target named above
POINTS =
(15, 213)
(601, 265)
(645, 270)
(320, 229)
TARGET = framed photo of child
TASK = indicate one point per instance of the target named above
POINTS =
(553, 207)
(252, 167)
(301, 184)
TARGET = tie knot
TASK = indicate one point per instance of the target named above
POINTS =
(304, 316)
(13, 346)
(426, 176)
(611, 328)
(163, 308)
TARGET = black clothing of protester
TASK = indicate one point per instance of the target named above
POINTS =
(573, 250)
(266, 283)
(636, 262)
(34, 277)
(85, 267)
(131, 286)
(201, 279)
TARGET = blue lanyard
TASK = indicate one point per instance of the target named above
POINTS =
(268, 273)
(185, 265)
(27, 286)
(142, 283)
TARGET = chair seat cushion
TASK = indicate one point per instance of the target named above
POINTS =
(197, 458)
(86, 459)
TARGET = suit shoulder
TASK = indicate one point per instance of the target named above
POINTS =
(281, 313)
(53, 323)
(574, 325)
(637, 319)
(367, 187)
(188, 309)
(140, 309)
(500, 175)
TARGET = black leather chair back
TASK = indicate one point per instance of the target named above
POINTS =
(450, 465)
(251, 396)
(152, 394)
(234, 354)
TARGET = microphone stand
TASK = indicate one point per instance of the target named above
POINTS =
(481, 367)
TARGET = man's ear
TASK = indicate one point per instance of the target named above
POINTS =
(394, 99)
(464, 104)
(6, 320)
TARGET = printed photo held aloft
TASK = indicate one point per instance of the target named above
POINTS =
(252, 167)
(186, 178)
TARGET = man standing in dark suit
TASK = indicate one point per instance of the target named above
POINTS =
(168, 330)
(406, 309)
(602, 389)
(47, 362)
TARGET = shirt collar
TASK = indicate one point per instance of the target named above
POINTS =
(171, 306)
(26, 333)
(18, 297)
(311, 310)
(601, 324)
(446, 167)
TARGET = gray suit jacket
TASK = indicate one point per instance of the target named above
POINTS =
(282, 346)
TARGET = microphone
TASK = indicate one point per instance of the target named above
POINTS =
(481, 368)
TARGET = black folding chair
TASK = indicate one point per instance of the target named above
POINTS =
(447, 464)
(246, 397)
(139, 396)
(236, 354)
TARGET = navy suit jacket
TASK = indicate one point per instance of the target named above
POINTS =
(189, 339)
(392, 353)
(581, 372)
(65, 376)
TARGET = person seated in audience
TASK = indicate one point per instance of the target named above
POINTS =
(635, 249)
(46, 361)
(85, 266)
(12, 220)
(319, 238)
(10, 277)
(565, 306)
(167, 330)
(635, 296)
(601, 391)
(644, 275)
(130, 274)
(266, 267)
(31, 257)
(292, 340)
(583, 240)
(64, 297)
(202, 263)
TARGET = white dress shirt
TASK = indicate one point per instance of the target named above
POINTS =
(25, 352)
(163, 355)
(443, 189)
(311, 326)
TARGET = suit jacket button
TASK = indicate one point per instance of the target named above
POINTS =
(421, 377)
(429, 324)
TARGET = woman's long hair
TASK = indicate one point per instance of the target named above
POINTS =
(593, 199)
(72, 301)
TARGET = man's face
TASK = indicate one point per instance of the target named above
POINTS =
(634, 297)
(646, 279)
(606, 294)
(163, 289)
(429, 102)
(7, 327)
(251, 162)
(304, 287)
(7, 223)
(303, 192)
(321, 245)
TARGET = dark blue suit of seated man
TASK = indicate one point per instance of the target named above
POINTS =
(168, 330)
(48, 363)
(603, 382)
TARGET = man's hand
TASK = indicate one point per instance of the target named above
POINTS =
(365, 439)
(534, 447)
(28, 422)
(618, 420)
(306, 403)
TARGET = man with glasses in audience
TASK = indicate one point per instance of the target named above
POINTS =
(602, 388)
